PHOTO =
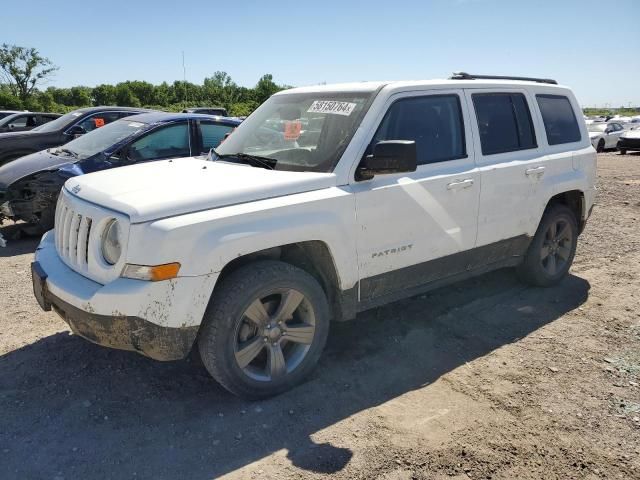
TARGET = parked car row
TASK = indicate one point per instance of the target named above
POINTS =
(38, 162)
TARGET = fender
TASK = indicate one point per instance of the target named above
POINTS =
(204, 242)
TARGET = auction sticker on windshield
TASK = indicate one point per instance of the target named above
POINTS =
(330, 106)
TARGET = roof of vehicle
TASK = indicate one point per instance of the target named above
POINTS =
(158, 117)
(111, 108)
(373, 86)
(195, 109)
(33, 113)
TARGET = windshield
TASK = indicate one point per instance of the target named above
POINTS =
(102, 138)
(58, 123)
(300, 131)
(597, 127)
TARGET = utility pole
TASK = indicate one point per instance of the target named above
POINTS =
(184, 80)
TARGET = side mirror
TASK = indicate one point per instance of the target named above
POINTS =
(76, 131)
(389, 156)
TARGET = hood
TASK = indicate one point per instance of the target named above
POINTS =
(149, 191)
(595, 134)
(29, 164)
(24, 133)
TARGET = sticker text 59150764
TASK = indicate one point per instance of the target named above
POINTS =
(331, 106)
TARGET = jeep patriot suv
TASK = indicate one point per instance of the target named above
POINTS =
(327, 201)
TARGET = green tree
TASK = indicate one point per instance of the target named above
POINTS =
(23, 69)
(104, 95)
(125, 97)
(265, 88)
(80, 96)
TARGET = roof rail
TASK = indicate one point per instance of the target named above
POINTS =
(469, 76)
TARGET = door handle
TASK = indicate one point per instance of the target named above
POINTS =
(537, 171)
(459, 184)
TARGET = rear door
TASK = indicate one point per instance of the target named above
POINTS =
(412, 225)
(511, 166)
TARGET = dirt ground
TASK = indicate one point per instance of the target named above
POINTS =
(483, 379)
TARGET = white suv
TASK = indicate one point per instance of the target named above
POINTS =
(326, 201)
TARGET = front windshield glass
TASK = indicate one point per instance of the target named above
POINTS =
(597, 127)
(102, 138)
(58, 123)
(300, 131)
(6, 120)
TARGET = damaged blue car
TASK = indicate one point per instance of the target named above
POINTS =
(29, 186)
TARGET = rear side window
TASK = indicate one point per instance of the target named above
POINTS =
(166, 142)
(504, 122)
(559, 119)
(433, 122)
(212, 135)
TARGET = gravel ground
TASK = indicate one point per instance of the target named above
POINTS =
(483, 379)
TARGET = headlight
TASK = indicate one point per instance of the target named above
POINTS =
(111, 244)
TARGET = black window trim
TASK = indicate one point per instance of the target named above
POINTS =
(515, 119)
(573, 113)
(465, 154)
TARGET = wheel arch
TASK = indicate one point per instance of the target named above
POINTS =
(315, 258)
(575, 201)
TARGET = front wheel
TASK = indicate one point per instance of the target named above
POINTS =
(552, 249)
(600, 147)
(623, 151)
(265, 329)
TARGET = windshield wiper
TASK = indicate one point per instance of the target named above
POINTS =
(253, 160)
(67, 151)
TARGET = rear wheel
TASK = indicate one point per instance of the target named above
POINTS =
(600, 147)
(265, 328)
(552, 249)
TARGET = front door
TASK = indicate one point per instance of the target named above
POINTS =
(407, 220)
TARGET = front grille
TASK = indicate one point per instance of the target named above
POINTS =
(629, 142)
(72, 235)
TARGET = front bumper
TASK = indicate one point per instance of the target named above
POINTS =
(629, 144)
(157, 319)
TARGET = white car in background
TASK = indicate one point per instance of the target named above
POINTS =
(629, 141)
(604, 135)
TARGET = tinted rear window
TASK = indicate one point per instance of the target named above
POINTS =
(559, 119)
(504, 122)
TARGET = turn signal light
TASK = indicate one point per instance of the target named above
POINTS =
(152, 273)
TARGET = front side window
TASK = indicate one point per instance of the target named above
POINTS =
(23, 121)
(559, 119)
(433, 122)
(166, 142)
(99, 120)
(212, 135)
(504, 122)
(298, 131)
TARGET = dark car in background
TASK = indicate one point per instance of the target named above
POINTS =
(6, 113)
(20, 122)
(29, 186)
(59, 131)
(207, 111)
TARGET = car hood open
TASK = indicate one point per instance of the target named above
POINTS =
(168, 188)
(30, 164)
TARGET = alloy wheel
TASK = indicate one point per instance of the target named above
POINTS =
(556, 248)
(274, 335)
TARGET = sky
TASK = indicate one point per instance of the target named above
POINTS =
(591, 46)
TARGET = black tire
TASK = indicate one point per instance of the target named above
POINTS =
(600, 147)
(623, 151)
(227, 327)
(536, 269)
